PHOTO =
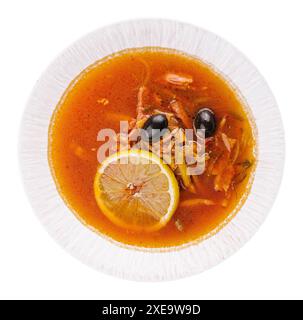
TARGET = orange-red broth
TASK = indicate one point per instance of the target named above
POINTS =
(106, 93)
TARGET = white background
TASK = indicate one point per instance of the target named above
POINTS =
(33, 33)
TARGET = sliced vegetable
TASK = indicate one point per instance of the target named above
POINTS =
(220, 163)
(182, 171)
(180, 113)
(196, 202)
(142, 93)
(235, 152)
(226, 142)
(224, 179)
(179, 225)
(146, 70)
(181, 81)
(222, 122)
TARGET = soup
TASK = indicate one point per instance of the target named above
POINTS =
(155, 87)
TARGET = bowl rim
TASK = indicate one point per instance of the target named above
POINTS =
(123, 260)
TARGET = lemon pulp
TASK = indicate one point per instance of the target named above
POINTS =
(136, 190)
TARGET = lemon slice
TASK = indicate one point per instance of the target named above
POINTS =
(136, 190)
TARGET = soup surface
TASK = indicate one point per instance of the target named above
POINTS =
(153, 81)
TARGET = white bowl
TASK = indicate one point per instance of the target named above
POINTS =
(126, 261)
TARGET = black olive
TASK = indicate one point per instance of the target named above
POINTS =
(155, 127)
(205, 120)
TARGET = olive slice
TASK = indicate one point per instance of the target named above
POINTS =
(155, 127)
(205, 120)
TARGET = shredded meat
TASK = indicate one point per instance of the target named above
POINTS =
(180, 113)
